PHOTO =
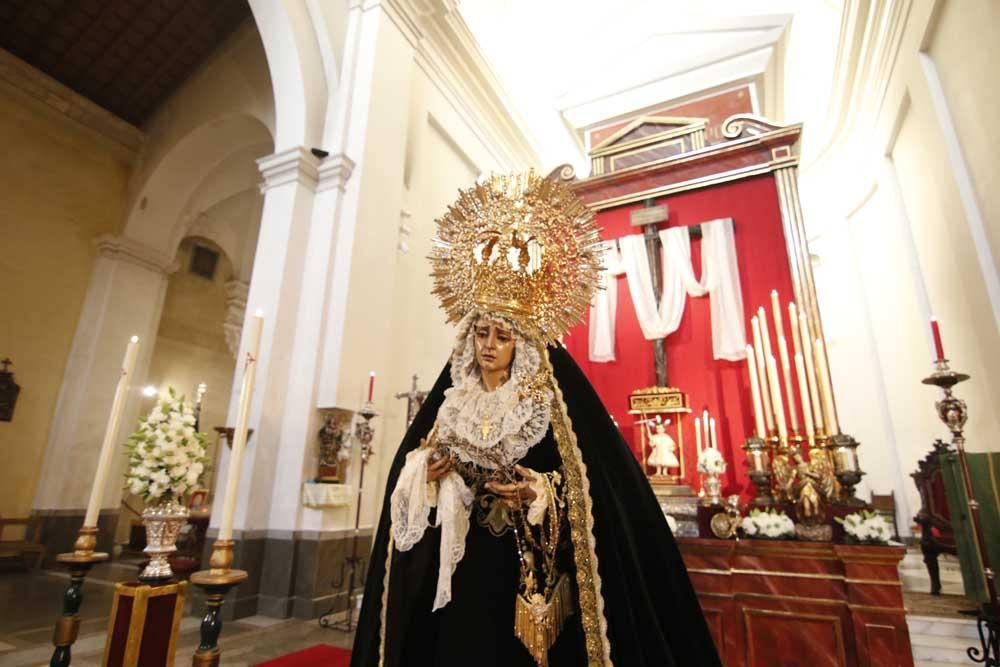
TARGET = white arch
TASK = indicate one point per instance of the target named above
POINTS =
(296, 64)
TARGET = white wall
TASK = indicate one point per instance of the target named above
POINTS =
(902, 222)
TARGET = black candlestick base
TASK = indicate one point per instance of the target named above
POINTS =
(68, 625)
(988, 625)
(216, 585)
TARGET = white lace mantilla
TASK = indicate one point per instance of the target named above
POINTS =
(490, 429)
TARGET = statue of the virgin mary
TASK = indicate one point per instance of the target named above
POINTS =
(518, 529)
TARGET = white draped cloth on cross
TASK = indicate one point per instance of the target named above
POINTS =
(720, 280)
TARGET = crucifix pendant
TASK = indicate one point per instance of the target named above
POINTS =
(487, 427)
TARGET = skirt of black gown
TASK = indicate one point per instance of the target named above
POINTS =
(477, 626)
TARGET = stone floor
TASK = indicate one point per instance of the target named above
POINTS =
(31, 602)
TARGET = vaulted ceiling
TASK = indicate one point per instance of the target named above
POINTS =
(569, 65)
(125, 55)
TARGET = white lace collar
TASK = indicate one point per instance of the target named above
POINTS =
(493, 428)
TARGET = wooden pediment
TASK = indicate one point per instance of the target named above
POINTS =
(648, 138)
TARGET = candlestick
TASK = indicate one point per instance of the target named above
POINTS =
(786, 369)
(807, 355)
(779, 409)
(715, 443)
(779, 329)
(765, 393)
(936, 333)
(240, 433)
(110, 434)
(826, 388)
(758, 411)
(800, 373)
(697, 435)
(371, 385)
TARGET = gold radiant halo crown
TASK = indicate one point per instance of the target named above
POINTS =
(522, 246)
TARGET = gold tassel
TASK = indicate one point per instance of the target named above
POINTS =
(538, 622)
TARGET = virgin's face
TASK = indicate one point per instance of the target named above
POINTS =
(494, 346)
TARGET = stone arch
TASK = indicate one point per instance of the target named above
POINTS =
(215, 160)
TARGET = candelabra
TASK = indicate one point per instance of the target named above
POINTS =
(759, 464)
(954, 413)
(353, 566)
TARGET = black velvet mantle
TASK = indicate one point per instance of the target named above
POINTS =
(653, 616)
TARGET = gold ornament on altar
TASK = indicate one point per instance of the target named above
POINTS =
(520, 245)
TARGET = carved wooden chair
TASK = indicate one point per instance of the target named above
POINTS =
(934, 517)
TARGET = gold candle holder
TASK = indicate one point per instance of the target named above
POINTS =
(216, 581)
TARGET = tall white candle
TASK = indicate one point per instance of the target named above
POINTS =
(779, 329)
(715, 442)
(786, 370)
(793, 324)
(697, 434)
(826, 387)
(800, 373)
(807, 355)
(779, 409)
(765, 395)
(110, 434)
(765, 335)
(758, 410)
(704, 425)
(240, 434)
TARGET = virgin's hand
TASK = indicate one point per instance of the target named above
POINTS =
(436, 469)
(516, 493)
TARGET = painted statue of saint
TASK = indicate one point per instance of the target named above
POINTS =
(517, 528)
(661, 450)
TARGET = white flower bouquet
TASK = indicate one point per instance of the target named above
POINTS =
(710, 462)
(866, 528)
(770, 525)
(166, 456)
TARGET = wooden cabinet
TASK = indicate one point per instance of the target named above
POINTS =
(801, 604)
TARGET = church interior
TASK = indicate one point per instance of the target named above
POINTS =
(217, 218)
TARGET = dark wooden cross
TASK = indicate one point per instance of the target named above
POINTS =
(414, 399)
(649, 218)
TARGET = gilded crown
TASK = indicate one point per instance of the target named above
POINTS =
(520, 245)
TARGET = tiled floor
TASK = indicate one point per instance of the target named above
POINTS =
(31, 602)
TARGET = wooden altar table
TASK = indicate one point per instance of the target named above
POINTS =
(801, 604)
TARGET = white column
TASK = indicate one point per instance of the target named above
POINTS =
(124, 298)
(276, 285)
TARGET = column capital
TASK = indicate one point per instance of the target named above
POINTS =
(334, 172)
(295, 165)
(123, 248)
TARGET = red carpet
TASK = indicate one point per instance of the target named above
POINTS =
(321, 655)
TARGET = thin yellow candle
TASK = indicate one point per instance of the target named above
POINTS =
(779, 409)
(240, 434)
(110, 434)
(697, 434)
(715, 443)
(807, 355)
(800, 372)
(786, 370)
(779, 329)
(765, 394)
(758, 410)
(826, 387)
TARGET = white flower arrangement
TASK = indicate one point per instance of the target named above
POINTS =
(710, 461)
(770, 524)
(166, 456)
(866, 527)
